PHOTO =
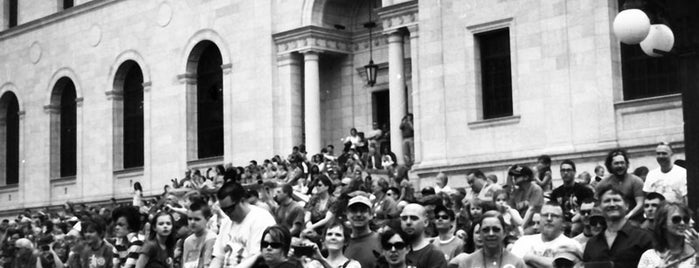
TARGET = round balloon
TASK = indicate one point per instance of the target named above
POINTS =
(660, 37)
(631, 26)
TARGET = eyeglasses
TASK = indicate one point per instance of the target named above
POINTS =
(274, 245)
(550, 215)
(411, 217)
(443, 217)
(567, 170)
(678, 219)
(486, 230)
(394, 246)
(650, 205)
(598, 221)
(585, 212)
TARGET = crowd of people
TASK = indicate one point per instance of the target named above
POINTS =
(344, 211)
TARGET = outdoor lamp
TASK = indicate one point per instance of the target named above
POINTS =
(631, 26)
(371, 69)
(659, 41)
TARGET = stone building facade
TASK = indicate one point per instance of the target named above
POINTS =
(206, 82)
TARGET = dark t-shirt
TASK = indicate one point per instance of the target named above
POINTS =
(571, 196)
(97, 258)
(427, 257)
(630, 185)
(289, 214)
(362, 249)
(626, 250)
(157, 256)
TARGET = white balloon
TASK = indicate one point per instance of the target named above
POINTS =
(660, 37)
(631, 26)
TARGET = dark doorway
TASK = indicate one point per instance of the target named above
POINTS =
(68, 127)
(381, 109)
(133, 117)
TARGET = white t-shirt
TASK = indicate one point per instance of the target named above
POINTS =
(237, 241)
(534, 244)
(672, 185)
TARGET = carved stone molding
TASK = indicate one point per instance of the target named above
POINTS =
(313, 38)
(398, 16)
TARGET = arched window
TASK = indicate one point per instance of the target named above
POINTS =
(129, 124)
(9, 139)
(209, 101)
(63, 129)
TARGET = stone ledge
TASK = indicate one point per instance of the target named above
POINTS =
(398, 16)
(9, 188)
(54, 18)
(500, 121)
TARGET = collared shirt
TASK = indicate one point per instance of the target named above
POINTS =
(626, 250)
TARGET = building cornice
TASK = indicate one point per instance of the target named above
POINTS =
(397, 16)
(55, 17)
(313, 38)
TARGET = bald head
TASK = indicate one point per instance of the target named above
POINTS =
(413, 220)
(414, 209)
(442, 179)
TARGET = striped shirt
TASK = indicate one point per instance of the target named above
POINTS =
(127, 250)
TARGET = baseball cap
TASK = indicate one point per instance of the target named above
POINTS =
(360, 199)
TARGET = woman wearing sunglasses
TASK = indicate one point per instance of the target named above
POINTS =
(274, 249)
(394, 250)
(493, 253)
(676, 243)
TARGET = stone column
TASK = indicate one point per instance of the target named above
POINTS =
(415, 79)
(288, 124)
(312, 101)
(228, 120)
(396, 86)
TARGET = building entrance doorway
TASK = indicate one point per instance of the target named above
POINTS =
(381, 109)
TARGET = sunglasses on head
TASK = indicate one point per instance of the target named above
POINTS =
(678, 219)
(596, 221)
(274, 245)
(394, 246)
(486, 230)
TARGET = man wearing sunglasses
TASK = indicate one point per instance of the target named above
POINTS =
(238, 240)
(539, 250)
(653, 202)
(422, 254)
(592, 220)
(621, 243)
(446, 242)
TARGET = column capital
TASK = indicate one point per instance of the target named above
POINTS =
(227, 68)
(79, 102)
(413, 30)
(21, 114)
(114, 95)
(313, 37)
(52, 109)
(187, 78)
(287, 59)
(395, 36)
(311, 51)
(146, 86)
(398, 16)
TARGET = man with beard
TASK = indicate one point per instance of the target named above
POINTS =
(364, 241)
(621, 243)
(539, 250)
(592, 220)
(653, 202)
(288, 213)
(669, 179)
(629, 185)
(527, 197)
(423, 254)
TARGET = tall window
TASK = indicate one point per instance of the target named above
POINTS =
(9, 135)
(644, 76)
(12, 13)
(68, 128)
(496, 76)
(133, 117)
(209, 102)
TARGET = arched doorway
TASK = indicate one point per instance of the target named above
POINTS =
(128, 117)
(64, 129)
(206, 61)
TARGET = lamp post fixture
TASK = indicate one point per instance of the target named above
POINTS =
(371, 69)
(632, 26)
